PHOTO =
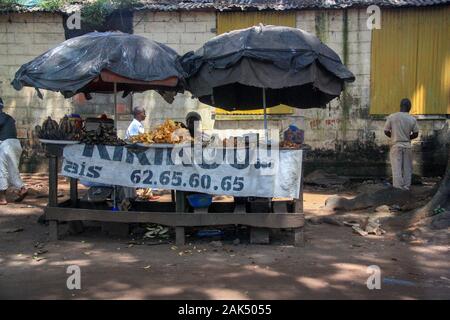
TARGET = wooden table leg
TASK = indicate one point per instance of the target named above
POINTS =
(298, 203)
(299, 233)
(299, 237)
(53, 229)
(52, 181)
(74, 226)
(179, 236)
(240, 205)
(259, 235)
(73, 191)
(180, 207)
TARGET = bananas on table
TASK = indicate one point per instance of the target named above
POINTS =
(65, 130)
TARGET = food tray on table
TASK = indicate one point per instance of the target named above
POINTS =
(163, 145)
(48, 141)
(157, 145)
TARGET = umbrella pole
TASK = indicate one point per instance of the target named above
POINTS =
(265, 115)
(115, 105)
(115, 127)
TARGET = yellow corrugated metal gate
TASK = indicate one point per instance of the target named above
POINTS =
(228, 21)
(411, 59)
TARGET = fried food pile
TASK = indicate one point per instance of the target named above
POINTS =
(289, 145)
(144, 194)
(104, 134)
(168, 132)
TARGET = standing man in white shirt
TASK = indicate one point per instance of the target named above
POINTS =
(136, 127)
(401, 127)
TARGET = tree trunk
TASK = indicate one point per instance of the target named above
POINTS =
(441, 197)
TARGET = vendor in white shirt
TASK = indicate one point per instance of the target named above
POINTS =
(136, 127)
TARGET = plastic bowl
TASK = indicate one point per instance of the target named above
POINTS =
(209, 233)
(200, 200)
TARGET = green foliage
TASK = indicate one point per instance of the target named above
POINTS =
(8, 4)
(96, 12)
(93, 13)
(52, 5)
(438, 210)
(125, 4)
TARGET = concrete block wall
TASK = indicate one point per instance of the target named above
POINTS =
(23, 37)
(344, 119)
(347, 120)
(347, 34)
(182, 31)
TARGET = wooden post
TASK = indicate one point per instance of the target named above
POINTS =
(53, 229)
(299, 236)
(179, 236)
(259, 235)
(75, 227)
(240, 205)
(73, 191)
(180, 207)
(52, 181)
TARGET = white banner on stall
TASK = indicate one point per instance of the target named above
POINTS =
(240, 173)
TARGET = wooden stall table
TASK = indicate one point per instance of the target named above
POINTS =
(283, 215)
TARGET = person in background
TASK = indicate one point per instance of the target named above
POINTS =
(401, 127)
(136, 127)
(195, 127)
(10, 152)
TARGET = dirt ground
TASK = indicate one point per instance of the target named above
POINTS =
(332, 265)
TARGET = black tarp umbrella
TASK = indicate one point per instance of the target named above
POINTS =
(76, 64)
(103, 62)
(264, 66)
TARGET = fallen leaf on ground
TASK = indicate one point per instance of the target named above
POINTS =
(135, 242)
(37, 258)
(39, 245)
(14, 230)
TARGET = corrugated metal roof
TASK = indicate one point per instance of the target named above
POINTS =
(174, 5)
(279, 4)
